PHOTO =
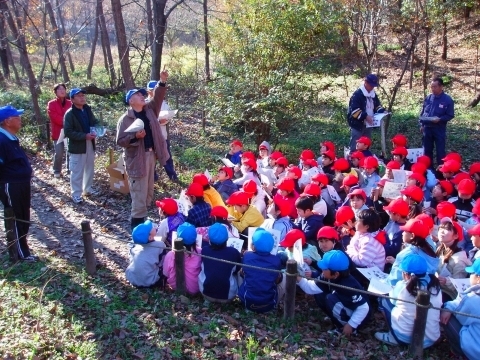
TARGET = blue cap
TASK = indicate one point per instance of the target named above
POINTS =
(475, 268)
(187, 233)
(132, 92)
(151, 84)
(372, 79)
(262, 240)
(141, 233)
(217, 233)
(75, 91)
(9, 111)
(414, 264)
(334, 260)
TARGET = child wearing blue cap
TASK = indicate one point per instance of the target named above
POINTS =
(218, 280)
(346, 308)
(188, 234)
(400, 315)
(145, 267)
(259, 291)
(463, 332)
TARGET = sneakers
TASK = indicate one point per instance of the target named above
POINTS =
(57, 176)
(77, 199)
(92, 192)
(386, 337)
(31, 258)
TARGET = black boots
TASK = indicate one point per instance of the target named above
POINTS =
(136, 221)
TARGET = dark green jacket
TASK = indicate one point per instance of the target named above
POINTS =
(72, 126)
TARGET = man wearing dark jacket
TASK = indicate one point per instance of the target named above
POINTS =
(363, 104)
(77, 123)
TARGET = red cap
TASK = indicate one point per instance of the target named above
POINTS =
(416, 227)
(168, 206)
(227, 171)
(283, 205)
(275, 155)
(219, 211)
(426, 219)
(382, 182)
(321, 178)
(424, 159)
(349, 180)
(401, 150)
(419, 168)
(237, 143)
(281, 161)
(413, 192)
(250, 163)
(474, 230)
(250, 187)
(311, 190)
(398, 206)
(453, 156)
(446, 209)
(343, 214)
(357, 155)
(446, 186)
(393, 165)
(370, 163)
(329, 145)
(263, 147)
(200, 179)
(459, 177)
(365, 140)
(476, 208)
(474, 168)
(286, 184)
(330, 154)
(328, 232)
(248, 155)
(450, 166)
(466, 187)
(238, 198)
(419, 178)
(195, 189)
(310, 162)
(292, 236)
(456, 225)
(341, 164)
(295, 170)
(307, 154)
(358, 192)
(400, 140)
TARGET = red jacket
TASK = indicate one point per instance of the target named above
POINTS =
(56, 112)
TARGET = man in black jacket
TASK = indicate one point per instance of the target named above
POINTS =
(363, 104)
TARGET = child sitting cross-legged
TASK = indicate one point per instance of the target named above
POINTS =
(245, 215)
(224, 184)
(145, 257)
(210, 194)
(329, 239)
(173, 219)
(400, 315)
(346, 308)
(199, 214)
(309, 252)
(278, 217)
(218, 280)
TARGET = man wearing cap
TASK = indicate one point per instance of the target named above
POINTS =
(437, 111)
(15, 177)
(144, 147)
(81, 145)
(164, 127)
(363, 104)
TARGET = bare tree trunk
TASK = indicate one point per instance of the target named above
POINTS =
(3, 48)
(62, 33)
(207, 40)
(160, 26)
(92, 52)
(466, 11)
(12, 64)
(106, 42)
(19, 37)
(149, 14)
(122, 44)
(426, 62)
(58, 39)
(444, 32)
(45, 49)
(410, 81)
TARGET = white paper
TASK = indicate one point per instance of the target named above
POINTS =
(444, 272)
(183, 204)
(198, 241)
(426, 204)
(61, 137)
(413, 154)
(460, 285)
(379, 286)
(372, 272)
(235, 243)
(391, 190)
(208, 175)
(167, 114)
(275, 234)
(399, 176)
(227, 162)
(377, 120)
(137, 125)
(346, 152)
(298, 253)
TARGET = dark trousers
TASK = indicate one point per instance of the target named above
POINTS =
(169, 166)
(17, 196)
(452, 333)
(335, 310)
(435, 136)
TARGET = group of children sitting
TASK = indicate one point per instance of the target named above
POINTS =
(333, 207)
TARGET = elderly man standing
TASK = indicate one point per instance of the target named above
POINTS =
(437, 111)
(144, 147)
(363, 104)
(15, 177)
(77, 124)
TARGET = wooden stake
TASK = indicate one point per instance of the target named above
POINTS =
(419, 324)
(90, 261)
(290, 290)
(110, 156)
(179, 266)
(11, 232)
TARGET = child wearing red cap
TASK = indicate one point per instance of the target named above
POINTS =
(475, 219)
(309, 169)
(363, 145)
(414, 196)
(474, 172)
(357, 200)
(257, 196)
(168, 208)
(210, 195)
(400, 155)
(320, 206)
(278, 218)
(224, 184)
(328, 192)
(199, 214)
(235, 153)
(345, 223)
(245, 214)
(398, 211)
(309, 252)
(464, 202)
(327, 161)
(329, 239)
(249, 172)
(370, 175)
(294, 173)
(286, 190)
(474, 232)
(440, 192)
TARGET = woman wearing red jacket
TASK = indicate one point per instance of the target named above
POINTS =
(56, 109)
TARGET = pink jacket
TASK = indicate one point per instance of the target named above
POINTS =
(366, 251)
(193, 265)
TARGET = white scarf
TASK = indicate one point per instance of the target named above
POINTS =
(370, 96)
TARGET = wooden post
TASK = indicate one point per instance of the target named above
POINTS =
(110, 156)
(90, 261)
(9, 216)
(179, 266)
(419, 324)
(290, 289)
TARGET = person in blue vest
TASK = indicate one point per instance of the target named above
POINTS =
(438, 107)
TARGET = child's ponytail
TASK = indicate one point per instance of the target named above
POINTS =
(418, 282)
